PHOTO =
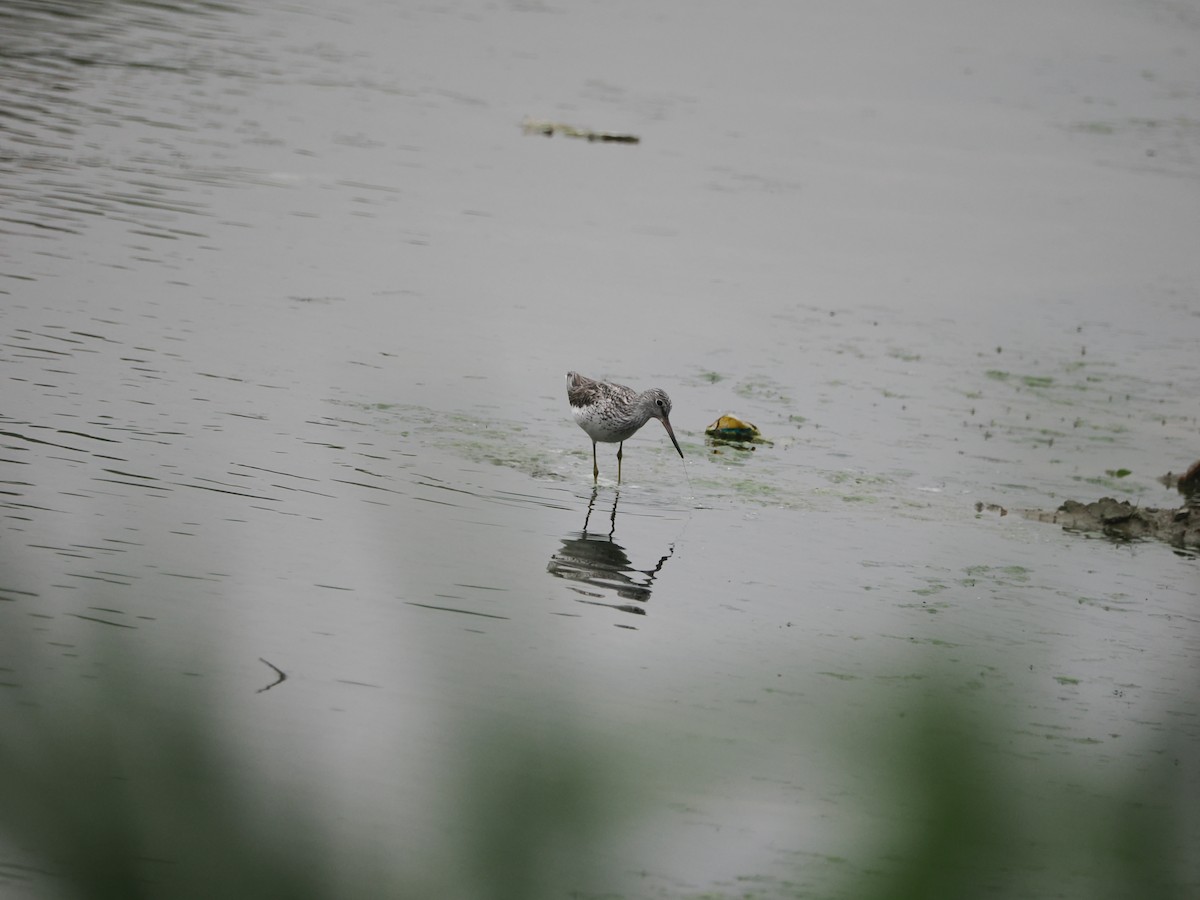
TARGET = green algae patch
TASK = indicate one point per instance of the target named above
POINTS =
(756, 490)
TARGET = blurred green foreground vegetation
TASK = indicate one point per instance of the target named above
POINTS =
(110, 789)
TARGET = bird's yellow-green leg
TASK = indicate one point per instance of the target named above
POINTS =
(620, 447)
(595, 465)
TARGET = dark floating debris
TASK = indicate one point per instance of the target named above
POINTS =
(1188, 483)
(549, 129)
(990, 507)
(278, 671)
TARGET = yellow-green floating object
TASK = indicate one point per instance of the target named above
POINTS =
(731, 428)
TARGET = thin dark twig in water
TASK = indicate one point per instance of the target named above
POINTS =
(282, 676)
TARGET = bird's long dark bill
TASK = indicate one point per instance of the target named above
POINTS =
(671, 432)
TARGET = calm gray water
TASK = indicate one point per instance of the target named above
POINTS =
(288, 297)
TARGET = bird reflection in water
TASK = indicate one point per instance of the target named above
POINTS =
(600, 568)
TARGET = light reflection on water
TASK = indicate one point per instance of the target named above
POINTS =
(81, 147)
(286, 381)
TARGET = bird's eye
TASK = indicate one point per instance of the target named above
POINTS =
(659, 402)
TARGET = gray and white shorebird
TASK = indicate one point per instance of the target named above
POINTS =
(612, 413)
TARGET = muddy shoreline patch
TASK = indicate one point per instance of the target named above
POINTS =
(1122, 520)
